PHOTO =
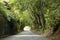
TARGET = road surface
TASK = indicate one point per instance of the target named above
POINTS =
(26, 35)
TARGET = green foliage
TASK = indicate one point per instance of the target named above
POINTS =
(41, 14)
(52, 12)
(18, 16)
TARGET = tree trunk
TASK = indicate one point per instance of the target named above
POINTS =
(42, 15)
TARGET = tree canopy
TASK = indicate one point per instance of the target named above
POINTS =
(38, 14)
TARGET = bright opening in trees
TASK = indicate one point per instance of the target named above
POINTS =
(6, 0)
(27, 28)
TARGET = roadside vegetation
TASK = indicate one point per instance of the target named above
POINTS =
(43, 16)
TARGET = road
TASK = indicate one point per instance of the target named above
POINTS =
(26, 35)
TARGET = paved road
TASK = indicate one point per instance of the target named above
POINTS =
(26, 35)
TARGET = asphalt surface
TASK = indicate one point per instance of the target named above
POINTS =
(26, 35)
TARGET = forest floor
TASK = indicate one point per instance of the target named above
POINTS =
(55, 36)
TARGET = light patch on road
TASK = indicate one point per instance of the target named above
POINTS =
(28, 36)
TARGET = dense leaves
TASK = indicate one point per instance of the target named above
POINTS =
(38, 14)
